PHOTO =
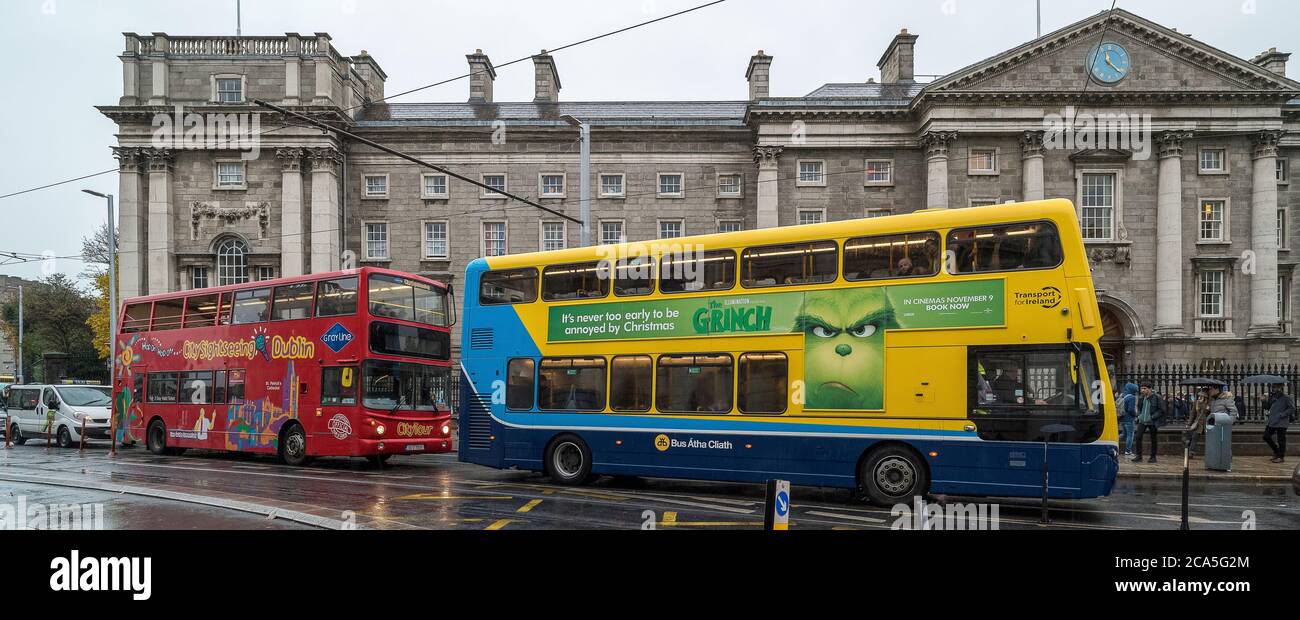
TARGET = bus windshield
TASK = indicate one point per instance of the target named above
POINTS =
(82, 396)
(403, 386)
(408, 300)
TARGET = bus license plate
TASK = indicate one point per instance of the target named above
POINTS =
(415, 448)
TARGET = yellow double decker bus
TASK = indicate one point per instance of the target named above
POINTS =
(937, 351)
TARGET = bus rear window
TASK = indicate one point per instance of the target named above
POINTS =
(1006, 247)
(137, 318)
(577, 281)
(691, 272)
(409, 341)
(909, 255)
(789, 265)
(251, 306)
(336, 297)
(513, 286)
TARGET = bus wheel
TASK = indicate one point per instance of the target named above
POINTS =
(156, 438)
(65, 438)
(893, 474)
(17, 435)
(293, 446)
(568, 461)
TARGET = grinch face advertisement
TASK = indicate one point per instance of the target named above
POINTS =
(844, 329)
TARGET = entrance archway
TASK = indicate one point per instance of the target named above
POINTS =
(1114, 340)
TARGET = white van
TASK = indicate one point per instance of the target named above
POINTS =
(41, 411)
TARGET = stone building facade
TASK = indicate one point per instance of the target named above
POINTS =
(1188, 224)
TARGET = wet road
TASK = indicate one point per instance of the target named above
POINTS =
(437, 492)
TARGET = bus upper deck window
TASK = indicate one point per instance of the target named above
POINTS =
(789, 265)
(576, 281)
(634, 277)
(201, 311)
(137, 318)
(336, 297)
(909, 255)
(690, 272)
(1006, 247)
(292, 301)
(167, 314)
(251, 306)
(513, 286)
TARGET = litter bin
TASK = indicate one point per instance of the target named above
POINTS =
(1218, 442)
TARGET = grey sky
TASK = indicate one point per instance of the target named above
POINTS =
(63, 61)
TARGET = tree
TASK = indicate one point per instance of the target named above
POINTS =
(56, 319)
(98, 321)
(95, 250)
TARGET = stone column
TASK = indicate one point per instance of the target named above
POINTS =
(768, 175)
(292, 235)
(1031, 159)
(130, 223)
(936, 145)
(293, 70)
(1263, 235)
(158, 66)
(160, 251)
(1169, 234)
(324, 208)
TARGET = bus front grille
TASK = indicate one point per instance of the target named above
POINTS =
(479, 422)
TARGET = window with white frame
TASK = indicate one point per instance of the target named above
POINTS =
(671, 185)
(670, 229)
(1211, 294)
(265, 273)
(879, 212)
(611, 232)
(1283, 171)
(230, 175)
(611, 185)
(812, 173)
(1097, 205)
(983, 161)
(494, 238)
(551, 185)
(230, 90)
(983, 202)
(199, 277)
(376, 185)
(728, 226)
(552, 236)
(729, 185)
(1281, 228)
(434, 186)
(1213, 160)
(376, 240)
(435, 240)
(496, 182)
(232, 262)
(811, 216)
(1213, 220)
(880, 172)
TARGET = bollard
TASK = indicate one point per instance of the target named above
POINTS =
(83, 436)
(112, 434)
(1187, 453)
(777, 515)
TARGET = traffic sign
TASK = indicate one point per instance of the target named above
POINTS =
(777, 516)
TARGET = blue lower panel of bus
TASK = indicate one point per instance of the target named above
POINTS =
(815, 455)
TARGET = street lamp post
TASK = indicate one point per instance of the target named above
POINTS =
(112, 282)
(584, 175)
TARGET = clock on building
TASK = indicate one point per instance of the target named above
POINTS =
(1109, 63)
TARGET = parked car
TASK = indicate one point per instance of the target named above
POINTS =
(4, 413)
(58, 411)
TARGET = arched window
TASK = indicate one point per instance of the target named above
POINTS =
(232, 262)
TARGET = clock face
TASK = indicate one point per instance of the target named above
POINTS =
(1109, 63)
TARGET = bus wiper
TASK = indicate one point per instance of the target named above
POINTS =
(401, 400)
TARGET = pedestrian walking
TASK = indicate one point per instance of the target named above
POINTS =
(1200, 411)
(1126, 409)
(1281, 408)
(1150, 417)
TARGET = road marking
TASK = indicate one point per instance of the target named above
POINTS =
(849, 517)
(498, 524)
(1278, 507)
(670, 518)
(712, 523)
(529, 506)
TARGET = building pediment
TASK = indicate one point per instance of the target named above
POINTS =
(1160, 60)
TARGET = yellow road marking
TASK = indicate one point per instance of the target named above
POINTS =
(529, 506)
(498, 524)
(711, 523)
(670, 518)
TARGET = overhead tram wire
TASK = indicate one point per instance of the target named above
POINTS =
(413, 90)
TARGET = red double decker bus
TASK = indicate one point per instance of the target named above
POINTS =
(351, 363)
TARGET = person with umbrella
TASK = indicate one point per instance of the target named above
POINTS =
(1281, 408)
(1200, 410)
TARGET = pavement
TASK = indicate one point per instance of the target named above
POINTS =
(1244, 469)
(209, 490)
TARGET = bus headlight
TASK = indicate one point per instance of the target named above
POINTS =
(379, 430)
(446, 429)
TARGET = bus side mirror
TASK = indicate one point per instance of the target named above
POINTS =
(451, 304)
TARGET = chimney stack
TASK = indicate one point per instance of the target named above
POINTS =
(368, 68)
(759, 76)
(898, 65)
(547, 82)
(1273, 60)
(482, 76)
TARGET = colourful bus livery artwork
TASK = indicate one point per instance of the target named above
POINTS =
(352, 363)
